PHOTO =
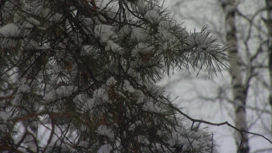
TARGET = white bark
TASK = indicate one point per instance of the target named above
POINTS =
(238, 89)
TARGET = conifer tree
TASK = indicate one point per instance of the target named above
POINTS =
(80, 76)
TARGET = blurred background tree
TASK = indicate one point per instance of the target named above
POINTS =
(243, 95)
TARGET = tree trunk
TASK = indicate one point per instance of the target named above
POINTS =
(268, 23)
(239, 92)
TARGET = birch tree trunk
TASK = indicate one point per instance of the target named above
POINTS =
(268, 23)
(238, 89)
